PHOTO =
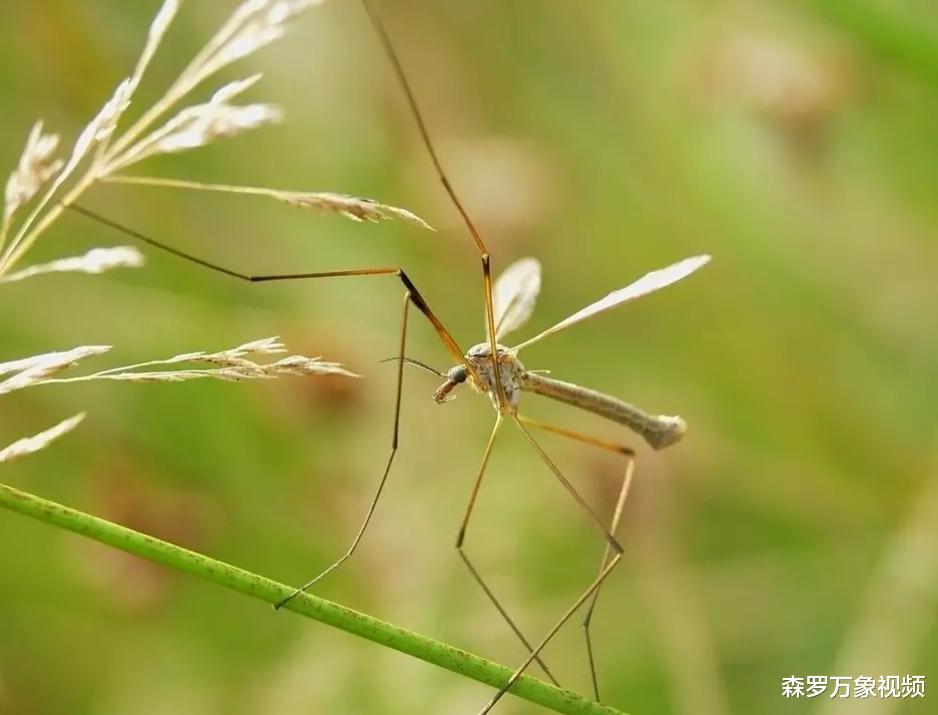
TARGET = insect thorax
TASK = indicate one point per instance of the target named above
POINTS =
(510, 369)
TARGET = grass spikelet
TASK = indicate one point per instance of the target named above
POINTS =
(97, 260)
(352, 207)
(102, 149)
(158, 28)
(197, 126)
(37, 369)
(233, 364)
(29, 445)
(52, 185)
(253, 25)
(34, 170)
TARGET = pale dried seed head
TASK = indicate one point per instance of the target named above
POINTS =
(33, 171)
(269, 345)
(232, 364)
(264, 346)
(96, 134)
(104, 123)
(158, 29)
(255, 24)
(125, 91)
(185, 357)
(99, 129)
(231, 90)
(39, 368)
(197, 126)
(63, 358)
(352, 207)
(29, 445)
(300, 365)
(252, 25)
(217, 121)
(224, 374)
(234, 371)
(97, 260)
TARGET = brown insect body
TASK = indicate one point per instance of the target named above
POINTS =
(510, 371)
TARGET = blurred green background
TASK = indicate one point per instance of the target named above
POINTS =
(794, 531)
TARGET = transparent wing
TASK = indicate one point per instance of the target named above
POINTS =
(515, 293)
(646, 284)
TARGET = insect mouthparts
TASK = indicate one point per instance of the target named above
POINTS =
(454, 376)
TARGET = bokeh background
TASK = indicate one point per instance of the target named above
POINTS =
(794, 531)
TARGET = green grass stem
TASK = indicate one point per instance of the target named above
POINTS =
(319, 609)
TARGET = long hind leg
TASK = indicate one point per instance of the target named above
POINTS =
(609, 564)
(411, 295)
(460, 539)
(627, 475)
(384, 476)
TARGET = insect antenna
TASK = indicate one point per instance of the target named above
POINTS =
(415, 363)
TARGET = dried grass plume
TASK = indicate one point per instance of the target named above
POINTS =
(29, 445)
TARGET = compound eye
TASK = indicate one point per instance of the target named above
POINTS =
(457, 374)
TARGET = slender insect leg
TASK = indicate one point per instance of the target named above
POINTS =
(553, 631)
(398, 68)
(469, 565)
(411, 295)
(610, 539)
(384, 477)
(629, 455)
(415, 296)
(591, 589)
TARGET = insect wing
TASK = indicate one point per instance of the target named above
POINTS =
(515, 293)
(648, 283)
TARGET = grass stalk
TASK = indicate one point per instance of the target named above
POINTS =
(318, 609)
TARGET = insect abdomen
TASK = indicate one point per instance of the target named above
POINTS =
(659, 431)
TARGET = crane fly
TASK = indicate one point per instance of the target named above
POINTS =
(514, 297)
(515, 294)
(509, 303)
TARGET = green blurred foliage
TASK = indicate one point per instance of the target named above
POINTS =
(789, 534)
